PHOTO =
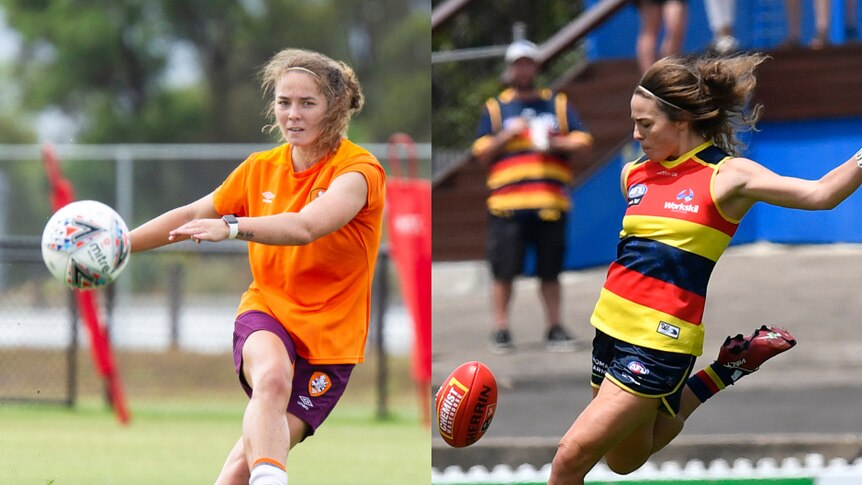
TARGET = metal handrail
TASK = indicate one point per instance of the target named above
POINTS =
(446, 11)
(167, 151)
(578, 28)
(549, 50)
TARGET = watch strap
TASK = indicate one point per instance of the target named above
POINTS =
(232, 225)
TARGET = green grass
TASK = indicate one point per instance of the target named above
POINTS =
(187, 444)
(706, 481)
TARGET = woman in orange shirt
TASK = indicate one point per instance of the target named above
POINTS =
(311, 210)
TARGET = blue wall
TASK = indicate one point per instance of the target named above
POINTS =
(597, 210)
(760, 24)
(800, 149)
(808, 150)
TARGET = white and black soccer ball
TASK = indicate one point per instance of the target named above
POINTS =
(86, 244)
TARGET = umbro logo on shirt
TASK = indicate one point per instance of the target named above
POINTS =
(268, 197)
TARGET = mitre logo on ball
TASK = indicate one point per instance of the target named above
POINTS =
(85, 244)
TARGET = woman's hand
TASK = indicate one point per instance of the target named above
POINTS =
(198, 230)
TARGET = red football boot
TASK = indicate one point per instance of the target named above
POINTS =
(749, 353)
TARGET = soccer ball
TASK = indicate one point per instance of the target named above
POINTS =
(86, 244)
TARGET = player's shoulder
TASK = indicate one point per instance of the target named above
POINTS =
(350, 153)
(713, 155)
(276, 154)
(638, 161)
(739, 165)
(505, 96)
(351, 157)
(632, 167)
(548, 94)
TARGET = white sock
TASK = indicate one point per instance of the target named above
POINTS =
(266, 474)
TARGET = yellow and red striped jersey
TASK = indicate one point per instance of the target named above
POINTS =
(522, 177)
(673, 234)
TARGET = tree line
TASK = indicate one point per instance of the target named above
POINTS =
(109, 67)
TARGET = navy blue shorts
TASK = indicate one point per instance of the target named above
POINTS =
(316, 388)
(641, 371)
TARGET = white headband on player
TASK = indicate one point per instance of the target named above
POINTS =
(309, 71)
(664, 101)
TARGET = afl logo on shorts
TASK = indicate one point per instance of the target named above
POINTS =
(636, 194)
(637, 368)
(319, 384)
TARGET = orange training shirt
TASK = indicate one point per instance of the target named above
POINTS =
(320, 292)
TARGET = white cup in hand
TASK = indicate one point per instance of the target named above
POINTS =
(540, 133)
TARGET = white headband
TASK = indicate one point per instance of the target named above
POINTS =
(297, 68)
(668, 103)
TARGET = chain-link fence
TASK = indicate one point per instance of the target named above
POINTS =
(38, 334)
(171, 341)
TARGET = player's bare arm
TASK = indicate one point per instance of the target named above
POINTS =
(623, 173)
(154, 233)
(344, 198)
(742, 182)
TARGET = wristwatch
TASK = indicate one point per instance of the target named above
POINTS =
(232, 225)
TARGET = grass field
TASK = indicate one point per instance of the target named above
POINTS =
(180, 434)
(51, 445)
(717, 481)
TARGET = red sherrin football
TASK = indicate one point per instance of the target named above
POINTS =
(465, 404)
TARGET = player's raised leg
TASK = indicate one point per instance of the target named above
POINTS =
(738, 357)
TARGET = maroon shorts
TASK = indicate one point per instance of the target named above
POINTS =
(316, 388)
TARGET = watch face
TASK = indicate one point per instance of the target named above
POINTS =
(230, 219)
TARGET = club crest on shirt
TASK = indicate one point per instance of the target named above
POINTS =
(685, 195)
(315, 193)
(636, 194)
(319, 384)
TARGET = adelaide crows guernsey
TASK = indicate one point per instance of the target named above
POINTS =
(673, 234)
(522, 177)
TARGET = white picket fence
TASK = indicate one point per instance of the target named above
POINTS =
(814, 468)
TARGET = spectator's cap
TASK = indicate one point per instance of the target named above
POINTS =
(522, 49)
